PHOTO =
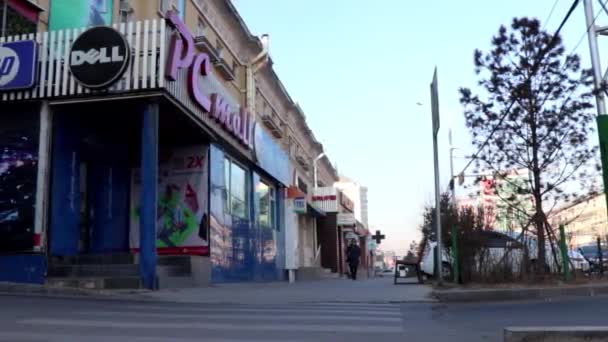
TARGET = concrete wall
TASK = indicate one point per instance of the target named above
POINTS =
(201, 270)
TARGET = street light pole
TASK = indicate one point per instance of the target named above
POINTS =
(452, 180)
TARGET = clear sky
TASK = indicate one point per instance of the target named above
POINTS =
(358, 68)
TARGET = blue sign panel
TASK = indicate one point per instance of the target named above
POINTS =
(18, 65)
(270, 156)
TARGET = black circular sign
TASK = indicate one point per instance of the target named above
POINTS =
(99, 57)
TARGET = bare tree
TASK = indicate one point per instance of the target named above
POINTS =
(532, 113)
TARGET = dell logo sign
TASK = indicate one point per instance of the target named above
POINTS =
(99, 57)
(95, 56)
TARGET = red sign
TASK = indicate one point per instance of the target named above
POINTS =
(346, 202)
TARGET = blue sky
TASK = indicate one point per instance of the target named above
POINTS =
(358, 68)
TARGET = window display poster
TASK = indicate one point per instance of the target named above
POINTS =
(66, 14)
(182, 213)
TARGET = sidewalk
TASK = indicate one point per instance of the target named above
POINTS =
(378, 290)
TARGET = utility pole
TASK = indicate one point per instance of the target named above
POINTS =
(598, 81)
(592, 33)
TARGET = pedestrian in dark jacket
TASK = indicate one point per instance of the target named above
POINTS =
(353, 253)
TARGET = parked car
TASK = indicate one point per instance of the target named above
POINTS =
(592, 256)
(578, 260)
(497, 244)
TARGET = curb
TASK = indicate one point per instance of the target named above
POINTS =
(145, 296)
(541, 293)
(33, 290)
(556, 334)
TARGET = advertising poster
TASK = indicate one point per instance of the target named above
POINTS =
(182, 218)
(18, 171)
(79, 13)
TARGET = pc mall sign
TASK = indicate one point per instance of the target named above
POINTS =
(237, 122)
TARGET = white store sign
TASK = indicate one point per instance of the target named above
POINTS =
(346, 219)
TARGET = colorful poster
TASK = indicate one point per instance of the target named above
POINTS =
(182, 213)
(18, 171)
(79, 13)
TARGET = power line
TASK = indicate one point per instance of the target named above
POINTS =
(535, 68)
(603, 4)
(550, 14)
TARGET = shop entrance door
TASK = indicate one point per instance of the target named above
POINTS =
(104, 201)
(90, 188)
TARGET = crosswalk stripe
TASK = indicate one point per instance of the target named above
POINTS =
(241, 318)
(373, 329)
(295, 309)
(58, 337)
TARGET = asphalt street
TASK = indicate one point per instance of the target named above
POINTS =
(43, 319)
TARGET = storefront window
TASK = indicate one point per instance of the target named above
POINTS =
(235, 201)
(267, 196)
(18, 171)
(15, 22)
(238, 191)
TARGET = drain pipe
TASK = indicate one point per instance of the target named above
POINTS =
(253, 67)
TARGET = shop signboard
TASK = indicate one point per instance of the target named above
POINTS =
(182, 54)
(346, 202)
(346, 219)
(18, 65)
(371, 244)
(351, 236)
(99, 57)
(299, 205)
(182, 219)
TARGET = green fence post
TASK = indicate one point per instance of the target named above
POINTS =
(455, 263)
(564, 250)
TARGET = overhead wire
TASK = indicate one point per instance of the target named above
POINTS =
(550, 14)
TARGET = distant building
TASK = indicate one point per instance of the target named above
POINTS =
(389, 258)
(584, 220)
(506, 203)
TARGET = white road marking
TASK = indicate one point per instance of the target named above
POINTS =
(57, 337)
(342, 328)
(248, 317)
(295, 309)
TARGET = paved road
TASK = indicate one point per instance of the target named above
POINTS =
(28, 319)
(41, 319)
(378, 290)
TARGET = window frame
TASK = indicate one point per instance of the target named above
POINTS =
(228, 207)
(272, 205)
(200, 27)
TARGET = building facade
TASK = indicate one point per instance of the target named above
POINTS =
(584, 220)
(358, 194)
(189, 150)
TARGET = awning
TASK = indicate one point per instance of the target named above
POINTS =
(361, 230)
(315, 212)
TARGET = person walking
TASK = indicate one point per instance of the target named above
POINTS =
(353, 253)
